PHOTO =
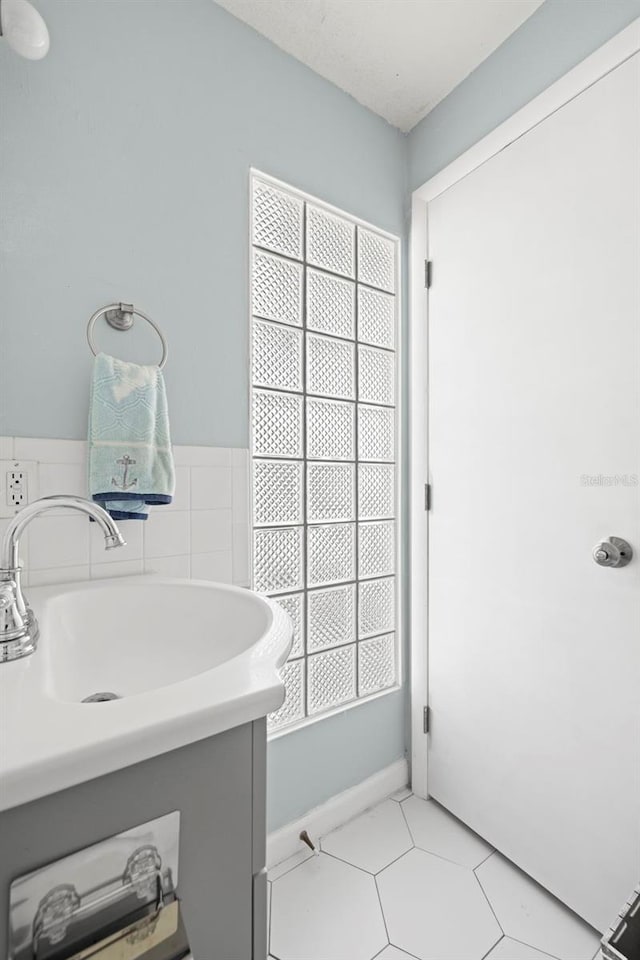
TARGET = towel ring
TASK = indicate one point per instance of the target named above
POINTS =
(120, 317)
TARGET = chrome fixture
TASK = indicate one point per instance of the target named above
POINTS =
(118, 889)
(613, 552)
(18, 626)
(120, 316)
(24, 29)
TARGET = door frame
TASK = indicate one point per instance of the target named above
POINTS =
(609, 56)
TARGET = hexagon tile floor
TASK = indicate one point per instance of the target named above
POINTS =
(407, 881)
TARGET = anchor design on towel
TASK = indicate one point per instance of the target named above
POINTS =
(126, 462)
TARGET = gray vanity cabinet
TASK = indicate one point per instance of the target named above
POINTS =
(218, 785)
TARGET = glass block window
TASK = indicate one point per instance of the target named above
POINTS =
(324, 446)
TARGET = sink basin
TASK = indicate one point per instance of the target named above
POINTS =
(126, 638)
(171, 662)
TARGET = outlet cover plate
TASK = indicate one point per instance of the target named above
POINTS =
(29, 469)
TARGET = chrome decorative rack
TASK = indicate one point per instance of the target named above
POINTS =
(63, 906)
(89, 908)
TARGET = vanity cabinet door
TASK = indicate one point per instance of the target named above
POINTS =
(212, 784)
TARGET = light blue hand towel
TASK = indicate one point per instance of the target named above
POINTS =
(130, 458)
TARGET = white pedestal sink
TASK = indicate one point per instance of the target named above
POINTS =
(184, 659)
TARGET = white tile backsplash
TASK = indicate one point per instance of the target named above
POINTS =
(203, 533)
(211, 530)
(57, 478)
(203, 456)
(211, 487)
(240, 457)
(122, 568)
(50, 451)
(241, 571)
(240, 485)
(60, 541)
(212, 566)
(169, 566)
(182, 496)
(166, 534)
(6, 448)
(43, 578)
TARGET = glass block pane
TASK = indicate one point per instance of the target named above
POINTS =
(277, 493)
(330, 367)
(277, 289)
(277, 560)
(277, 220)
(331, 305)
(376, 664)
(376, 433)
(376, 318)
(277, 424)
(331, 492)
(376, 549)
(376, 260)
(294, 606)
(276, 356)
(331, 430)
(321, 293)
(293, 707)
(376, 491)
(331, 678)
(376, 375)
(331, 554)
(376, 606)
(330, 241)
(331, 617)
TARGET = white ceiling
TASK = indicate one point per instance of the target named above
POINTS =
(397, 57)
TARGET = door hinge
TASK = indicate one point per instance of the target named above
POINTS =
(427, 496)
(426, 719)
(428, 271)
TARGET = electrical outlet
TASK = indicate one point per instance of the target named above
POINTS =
(18, 480)
(17, 487)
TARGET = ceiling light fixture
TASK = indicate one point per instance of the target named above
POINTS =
(24, 29)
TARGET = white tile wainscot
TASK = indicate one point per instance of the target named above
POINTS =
(203, 533)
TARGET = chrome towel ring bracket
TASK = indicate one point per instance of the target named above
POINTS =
(120, 316)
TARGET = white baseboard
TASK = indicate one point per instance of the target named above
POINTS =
(283, 843)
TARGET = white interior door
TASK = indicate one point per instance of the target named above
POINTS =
(534, 353)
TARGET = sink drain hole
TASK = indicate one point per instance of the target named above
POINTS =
(102, 696)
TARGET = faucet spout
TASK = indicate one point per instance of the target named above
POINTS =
(18, 625)
(11, 542)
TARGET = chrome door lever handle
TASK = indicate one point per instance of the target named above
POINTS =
(613, 552)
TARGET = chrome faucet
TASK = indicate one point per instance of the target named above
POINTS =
(18, 625)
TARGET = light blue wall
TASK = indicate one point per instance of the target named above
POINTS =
(558, 36)
(303, 774)
(123, 176)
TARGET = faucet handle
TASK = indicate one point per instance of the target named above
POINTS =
(15, 624)
(8, 589)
